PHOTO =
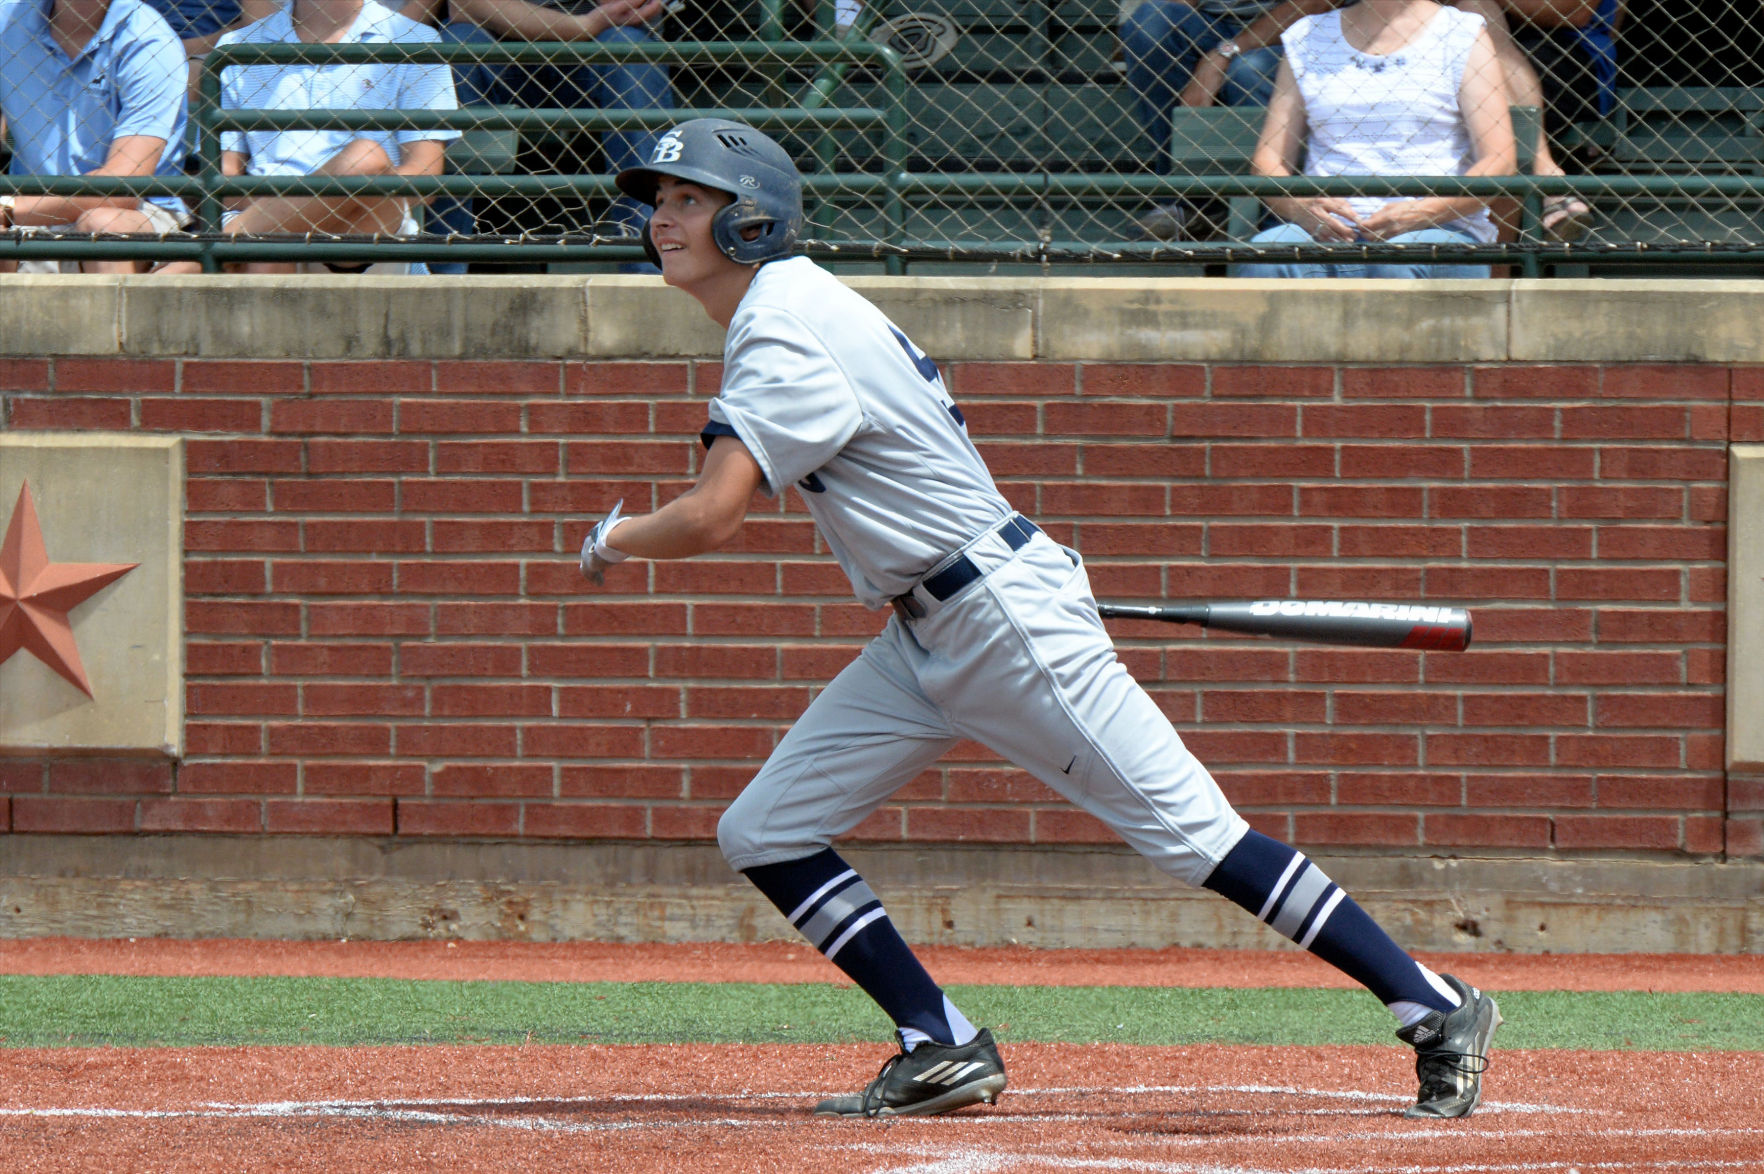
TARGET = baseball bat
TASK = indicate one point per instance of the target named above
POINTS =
(1375, 625)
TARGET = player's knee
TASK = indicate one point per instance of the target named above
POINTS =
(747, 837)
(736, 836)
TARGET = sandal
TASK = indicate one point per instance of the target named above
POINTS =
(1565, 218)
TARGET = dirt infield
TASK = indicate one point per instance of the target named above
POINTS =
(740, 1109)
(743, 1109)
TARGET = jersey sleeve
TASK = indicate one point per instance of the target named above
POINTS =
(152, 78)
(784, 398)
(426, 86)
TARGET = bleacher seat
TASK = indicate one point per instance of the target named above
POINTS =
(484, 151)
(1695, 129)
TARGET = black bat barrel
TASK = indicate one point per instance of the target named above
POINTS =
(1376, 625)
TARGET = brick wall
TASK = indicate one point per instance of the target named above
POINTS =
(387, 635)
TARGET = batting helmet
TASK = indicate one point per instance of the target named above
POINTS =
(735, 158)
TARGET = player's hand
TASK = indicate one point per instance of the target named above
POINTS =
(624, 13)
(597, 556)
(1327, 218)
(1400, 217)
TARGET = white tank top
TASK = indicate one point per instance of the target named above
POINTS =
(1386, 114)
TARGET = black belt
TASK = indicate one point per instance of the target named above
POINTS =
(947, 583)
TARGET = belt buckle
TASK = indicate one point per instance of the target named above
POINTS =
(907, 607)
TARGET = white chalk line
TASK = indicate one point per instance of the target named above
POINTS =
(411, 1107)
(944, 1159)
(993, 1162)
(460, 1111)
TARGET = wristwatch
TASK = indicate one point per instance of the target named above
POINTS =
(7, 203)
(1228, 49)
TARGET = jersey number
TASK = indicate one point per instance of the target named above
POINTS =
(926, 368)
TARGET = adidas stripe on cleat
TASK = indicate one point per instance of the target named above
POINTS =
(932, 1078)
(1451, 1053)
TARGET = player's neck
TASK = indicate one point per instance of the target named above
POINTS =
(720, 293)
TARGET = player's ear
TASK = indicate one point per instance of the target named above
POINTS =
(649, 249)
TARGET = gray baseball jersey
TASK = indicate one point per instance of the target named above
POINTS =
(825, 392)
(829, 395)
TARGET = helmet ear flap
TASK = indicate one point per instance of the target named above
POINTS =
(649, 249)
(724, 233)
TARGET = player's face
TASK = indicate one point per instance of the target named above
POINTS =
(681, 231)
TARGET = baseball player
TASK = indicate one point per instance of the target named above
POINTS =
(994, 637)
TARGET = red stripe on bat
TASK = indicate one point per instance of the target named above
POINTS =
(1434, 638)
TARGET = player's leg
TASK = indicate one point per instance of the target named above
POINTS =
(865, 736)
(1092, 734)
(1447, 1021)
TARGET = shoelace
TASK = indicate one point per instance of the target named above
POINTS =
(1434, 1068)
(873, 1103)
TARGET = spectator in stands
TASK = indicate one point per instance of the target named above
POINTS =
(1198, 52)
(629, 86)
(90, 87)
(408, 86)
(1385, 87)
(199, 23)
(1573, 44)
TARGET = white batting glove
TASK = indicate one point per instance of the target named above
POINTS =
(597, 556)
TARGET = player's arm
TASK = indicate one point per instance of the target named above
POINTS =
(703, 518)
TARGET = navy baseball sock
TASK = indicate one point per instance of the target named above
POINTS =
(829, 903)
(1283, 888)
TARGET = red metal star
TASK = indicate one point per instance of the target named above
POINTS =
(36, 595)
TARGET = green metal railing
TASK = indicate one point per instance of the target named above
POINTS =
(882, 181)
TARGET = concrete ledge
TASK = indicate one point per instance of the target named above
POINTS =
(289, 887)
(1637, 321)
(364, 317)
(952, 318)
(1215, 320)
(48, 314)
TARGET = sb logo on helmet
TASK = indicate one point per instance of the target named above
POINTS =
(667, 149)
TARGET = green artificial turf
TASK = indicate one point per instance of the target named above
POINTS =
(57, 1010)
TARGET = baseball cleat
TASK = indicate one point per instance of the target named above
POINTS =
(932, 1078)
(1451, 1053)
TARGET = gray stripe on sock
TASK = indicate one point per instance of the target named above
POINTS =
(823, 923)
(1298, 904)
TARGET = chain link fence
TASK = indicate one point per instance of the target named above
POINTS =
(1196, 133)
